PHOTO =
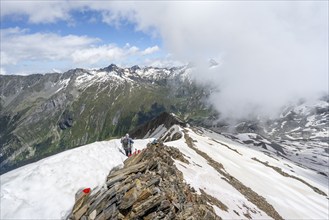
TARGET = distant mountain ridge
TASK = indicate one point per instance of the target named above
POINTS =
(300, 133)
(44, 114)
(41, 115)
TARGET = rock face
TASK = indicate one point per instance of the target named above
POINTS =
(149, 186)
(166, 119)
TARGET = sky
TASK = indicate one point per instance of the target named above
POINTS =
(269, 52)
(48, 36)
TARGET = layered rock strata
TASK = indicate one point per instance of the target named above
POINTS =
(149, 186)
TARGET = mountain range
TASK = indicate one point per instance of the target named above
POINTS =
(41, 115)
(44, 114)
(188, 162)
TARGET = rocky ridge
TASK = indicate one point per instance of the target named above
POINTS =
(148, 186)
(149, 129)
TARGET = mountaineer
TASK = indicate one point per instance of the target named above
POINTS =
(127, 143)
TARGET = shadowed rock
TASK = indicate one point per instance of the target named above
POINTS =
(164, 118)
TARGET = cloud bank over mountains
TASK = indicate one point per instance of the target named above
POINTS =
(269, 52)
(18, 45)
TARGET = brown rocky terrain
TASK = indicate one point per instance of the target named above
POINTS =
(148, 186)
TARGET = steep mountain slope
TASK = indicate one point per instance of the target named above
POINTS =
(304, 121)
(301, 134)
(41, 115)
(157, 126)
(280, 182)
(237, 181)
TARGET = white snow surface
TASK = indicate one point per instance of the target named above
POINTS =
(88, 79)
(157, 132)
(63, 84)
(291, 198)
(46, 189)
(203, 176)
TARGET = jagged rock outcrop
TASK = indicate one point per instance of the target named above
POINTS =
(173, 134)
(166, 119)
(149, 186)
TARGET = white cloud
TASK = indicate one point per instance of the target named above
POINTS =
(109, 53)
(37, 11)
(56, 70)
(2, 71)
(21, 46)
(270, 51)
(150, 50)
(164, 62)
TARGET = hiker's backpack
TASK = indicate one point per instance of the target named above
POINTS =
(125, 142)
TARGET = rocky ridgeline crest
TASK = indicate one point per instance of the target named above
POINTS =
(149, 186)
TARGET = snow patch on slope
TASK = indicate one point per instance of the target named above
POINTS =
(46, 189)
(62, 84)
(290, 197)
(157, 132)
(203, 176)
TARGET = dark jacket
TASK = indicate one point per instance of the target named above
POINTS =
(126, 142)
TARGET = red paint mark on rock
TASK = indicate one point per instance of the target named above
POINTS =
(86, 190)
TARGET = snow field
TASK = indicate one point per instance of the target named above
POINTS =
(46, 189)
(290, 197)
(200, 175)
